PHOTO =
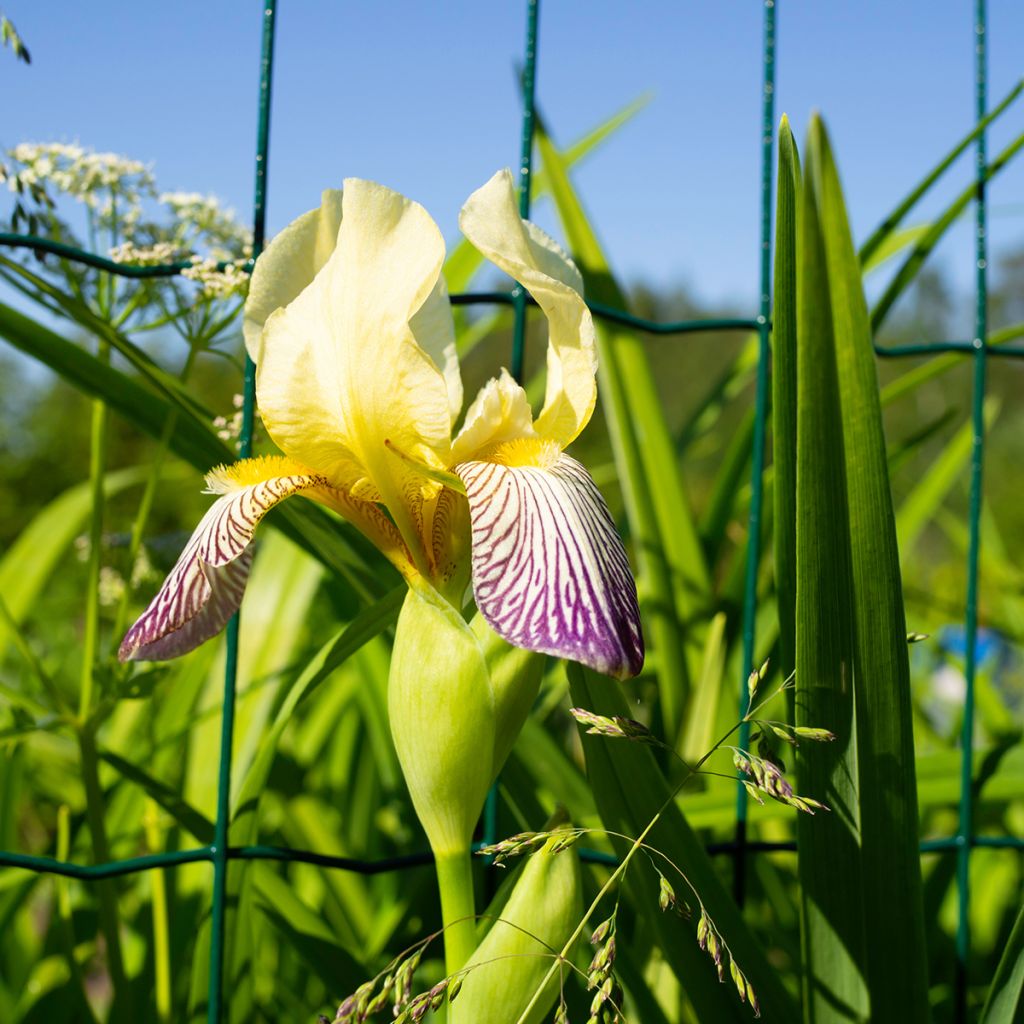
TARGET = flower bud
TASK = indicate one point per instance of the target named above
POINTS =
(457, 698)
(441, 707)
(542, 910)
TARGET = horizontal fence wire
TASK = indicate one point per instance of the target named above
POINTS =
(220, 853)
(609, 314)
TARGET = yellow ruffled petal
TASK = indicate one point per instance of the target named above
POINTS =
(345, 366)
(500, 412)
(490, 220)
(289, 264)
(434, 329)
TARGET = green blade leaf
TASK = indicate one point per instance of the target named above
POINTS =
(879, 671)
(465, 259)
(189, 817)
(882, 235)
(345, 642)
(915, 260)
(1005, 1002)
(32, 559)
(833, 933)
(784, 390)
(920, 505)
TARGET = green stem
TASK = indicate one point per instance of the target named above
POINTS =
(161, 928)
(97, 467)
(94, 804)
(105, 890)
(63, 905)
(148, 497)
(458, 910)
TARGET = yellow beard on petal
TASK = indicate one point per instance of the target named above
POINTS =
(237, 475)
(522, 451)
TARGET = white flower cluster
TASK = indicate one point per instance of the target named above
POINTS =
(217, 280)
(122, 198)
(109, 184)
(231, 429)
(146, 255)
(111, 586)
(203, 217)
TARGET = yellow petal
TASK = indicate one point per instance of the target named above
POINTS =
(434, 329)
(289, 264)
(500, 412)
(345, 366)
(491, 221)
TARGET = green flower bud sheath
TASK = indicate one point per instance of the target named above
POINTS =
(457, 698)
(539, 916)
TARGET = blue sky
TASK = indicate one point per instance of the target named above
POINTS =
(422, 97)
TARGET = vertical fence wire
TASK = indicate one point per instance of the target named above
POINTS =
(760, 418)
(529, 82)
(965, 828)
(221, 833)
(525, 171)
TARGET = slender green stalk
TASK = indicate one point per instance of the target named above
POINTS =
(458, 908)
(62, 889)
(105, 889)
(97, 467)
(149, 496)
(892, 221)
(86, 740)
(161, 929)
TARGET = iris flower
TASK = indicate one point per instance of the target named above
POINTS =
(357, 382)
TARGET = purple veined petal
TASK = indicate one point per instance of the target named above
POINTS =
(205, 587)
(549, 569)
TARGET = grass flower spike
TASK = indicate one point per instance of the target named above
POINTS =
(358, 384)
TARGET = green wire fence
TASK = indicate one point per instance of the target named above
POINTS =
(219, 853)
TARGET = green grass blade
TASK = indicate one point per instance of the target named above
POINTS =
(701, 726)
(586, 144)
(306, 934)
(931, 489)
(188, 817)
(193, 440)
(1005, 1002)
(78, 312)
(893, 245)
(371, 622)
(883, 233)
(891, 870)
(465, 259)
(936, 366)
(731, 480)
(30, 562)
(912, 264)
